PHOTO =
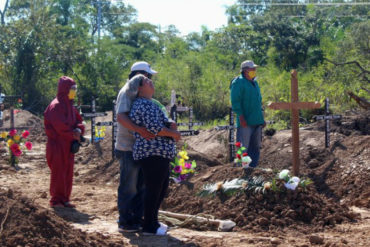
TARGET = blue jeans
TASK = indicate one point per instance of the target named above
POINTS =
(130, 190)
(250, 137)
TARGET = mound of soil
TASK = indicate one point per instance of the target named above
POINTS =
(25, 224)
(253, 211)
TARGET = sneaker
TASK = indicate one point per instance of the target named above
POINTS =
(163, 225)
(69, 205)
(161, 231)
(128, 228)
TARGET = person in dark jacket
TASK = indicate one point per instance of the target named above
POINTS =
(63, 125)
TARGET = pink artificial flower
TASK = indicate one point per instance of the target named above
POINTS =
(238, 156)
(177, 169)
(28, 145)
(12, 132)
(238, 144)
(187, 165)
(14, 147)
(17, 152)
(25, 134)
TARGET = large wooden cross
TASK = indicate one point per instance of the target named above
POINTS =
(294, 107)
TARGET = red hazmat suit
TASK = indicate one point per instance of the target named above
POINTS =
(60, 119)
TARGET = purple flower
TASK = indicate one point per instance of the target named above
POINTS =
(177, 169)
(183, 176)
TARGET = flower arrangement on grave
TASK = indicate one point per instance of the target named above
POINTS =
(15, 143)
(99, 133)
(181, 167)
(255, 184)
(242, 159)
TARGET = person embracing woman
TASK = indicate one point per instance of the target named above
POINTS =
(153, 155)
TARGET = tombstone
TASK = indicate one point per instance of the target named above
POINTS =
(327, 117)
(93, 114)
(294, 107)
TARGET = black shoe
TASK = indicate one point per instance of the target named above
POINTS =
(129, 228)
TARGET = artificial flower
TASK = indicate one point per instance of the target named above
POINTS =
(17, 152)
(187, 165)
(184, 155)
(238, 144)
(3, 135)
(177, 169)
(219, 186)
(238, 156)
(284, 174)
(12, 132)
(182, 162)
(16, 138)
(14, 146)
(10, 142)
(25, 134)
(245, 154)
(267, 185)
(28, 145)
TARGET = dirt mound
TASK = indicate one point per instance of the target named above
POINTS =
(25, 224)
(26, 120)
(306, 210)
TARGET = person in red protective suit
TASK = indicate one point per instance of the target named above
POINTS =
(63, 125)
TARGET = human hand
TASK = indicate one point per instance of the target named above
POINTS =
(77, 134)
(145, 133)
(242, 121)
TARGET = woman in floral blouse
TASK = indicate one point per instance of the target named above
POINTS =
(152, 155)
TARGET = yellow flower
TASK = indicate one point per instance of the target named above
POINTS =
(17, 138)
(10, 142)
(3, 135)
(182, 162)
(184, 155)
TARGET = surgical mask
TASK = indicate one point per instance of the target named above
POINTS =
(252, 74)
(72, 94)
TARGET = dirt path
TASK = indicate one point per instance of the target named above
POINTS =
(96, 212)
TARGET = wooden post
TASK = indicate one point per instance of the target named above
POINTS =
(294, 106)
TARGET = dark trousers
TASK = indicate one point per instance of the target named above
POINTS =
(156, 176)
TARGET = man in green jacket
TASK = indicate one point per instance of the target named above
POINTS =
(246, 102)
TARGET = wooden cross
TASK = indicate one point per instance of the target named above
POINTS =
(294, 107)
(12, 99)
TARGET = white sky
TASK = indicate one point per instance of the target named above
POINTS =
(187, 15)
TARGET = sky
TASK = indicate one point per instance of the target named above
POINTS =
(187, 15)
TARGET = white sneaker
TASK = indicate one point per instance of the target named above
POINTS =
(161, 231)
(163, 225)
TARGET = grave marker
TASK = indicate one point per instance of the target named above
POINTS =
(294, 106)
(327, 117)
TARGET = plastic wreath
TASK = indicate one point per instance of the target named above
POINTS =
(181, 168)
(242, 159)
(15, 142)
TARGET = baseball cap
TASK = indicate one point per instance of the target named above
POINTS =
(248, 64)
(143, 66)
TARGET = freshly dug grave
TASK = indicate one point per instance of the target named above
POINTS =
(25, 224)
(303, 209)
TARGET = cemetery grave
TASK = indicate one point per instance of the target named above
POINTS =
(333, 211)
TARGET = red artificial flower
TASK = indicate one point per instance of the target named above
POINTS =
(17, 152)
(238, 144)
(25, 134)
(28, 145)
(14, 147)
(13, 132)
(238, 156)
(245, 154)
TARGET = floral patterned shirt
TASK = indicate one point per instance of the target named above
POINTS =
(147, 114)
